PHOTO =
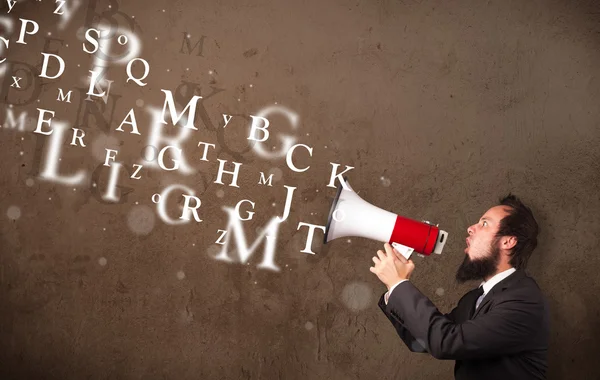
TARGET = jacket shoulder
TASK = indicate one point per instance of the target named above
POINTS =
(525, 287)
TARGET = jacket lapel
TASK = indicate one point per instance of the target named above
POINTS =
(471, 301)
(499, 288)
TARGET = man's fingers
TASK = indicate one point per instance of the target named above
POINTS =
(372, 269)
(375, 260)
(388, 248)
(400, 257)
(381, 255)
(393, 251)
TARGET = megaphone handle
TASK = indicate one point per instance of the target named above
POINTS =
(404, 250)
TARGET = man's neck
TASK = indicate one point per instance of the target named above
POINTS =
(501, 268)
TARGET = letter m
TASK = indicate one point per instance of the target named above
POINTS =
(264, 181)
(190, 108)
(236, 229)
(11, 123)
(186, 42)
(62, 97)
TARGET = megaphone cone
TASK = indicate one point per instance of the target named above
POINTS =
(350, 215)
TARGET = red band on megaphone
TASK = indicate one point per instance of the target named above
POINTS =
(417, 235)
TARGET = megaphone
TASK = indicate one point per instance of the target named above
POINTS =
(350, 215)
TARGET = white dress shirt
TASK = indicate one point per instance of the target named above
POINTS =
(487, 285)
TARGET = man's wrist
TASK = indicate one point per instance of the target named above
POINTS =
(389, 292)
(395, 283)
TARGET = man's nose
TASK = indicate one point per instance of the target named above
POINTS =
(470, 230)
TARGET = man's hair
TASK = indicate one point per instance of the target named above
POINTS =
(519, 223)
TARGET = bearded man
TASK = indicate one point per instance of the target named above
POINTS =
(499, 330)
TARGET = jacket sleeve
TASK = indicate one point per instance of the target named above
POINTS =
(504, 330)
(410, 341)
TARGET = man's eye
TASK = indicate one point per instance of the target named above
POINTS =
(484, 222)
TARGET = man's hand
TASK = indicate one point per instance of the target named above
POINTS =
(391, 267)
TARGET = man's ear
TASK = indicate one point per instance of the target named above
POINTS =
(509, 242)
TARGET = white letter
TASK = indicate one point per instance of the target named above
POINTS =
(111, 188)
(224, 116)
(11, 123)
(264, 181)
(161, 163)
(338, 176)
(311, 231)
(287, 140)
(5, 43)
(206, 145)
(104, 58)
(288, 203)
(52, 157)
(133, 123)
(162, 205)
(68, 12)
(191, 113)
(156, 140)
(186, 207)
(8, 23)
(24, 23)
(139, 167)
(240, 240)
(256, 126)
(137, 80)
(237, 209)
(91, 39)
(62, 97)
(222, 170)
(77, 137)
(16, 81)
(61, 65)
(41, 120)
(109, 156)
(56, 11)
(90, 92)
(11, 4)
(224, 232)
(288, 158)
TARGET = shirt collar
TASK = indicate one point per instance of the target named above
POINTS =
(488, 285)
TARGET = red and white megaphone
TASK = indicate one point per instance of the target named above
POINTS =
(350, 215)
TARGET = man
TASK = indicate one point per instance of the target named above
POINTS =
(499, 330)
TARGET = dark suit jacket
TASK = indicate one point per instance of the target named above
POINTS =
(505, 338)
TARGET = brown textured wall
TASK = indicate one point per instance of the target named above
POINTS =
(440, 106)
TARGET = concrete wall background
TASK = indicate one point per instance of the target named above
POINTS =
(441, 106)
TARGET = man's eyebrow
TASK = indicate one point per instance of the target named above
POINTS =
(484, 218)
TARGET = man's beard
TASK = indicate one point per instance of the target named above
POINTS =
(480, 268)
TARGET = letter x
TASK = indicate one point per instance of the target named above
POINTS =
(16, 82)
